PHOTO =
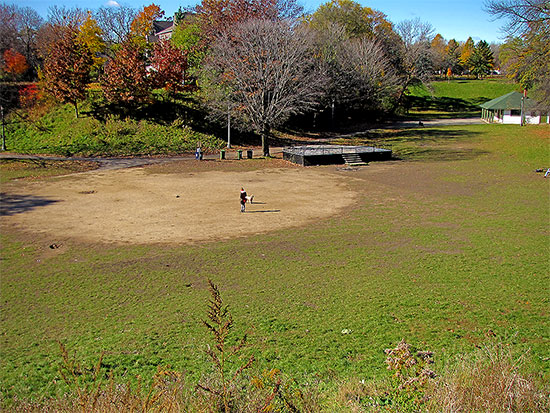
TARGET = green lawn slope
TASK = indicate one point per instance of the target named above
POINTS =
(455, 98)
(58, 131)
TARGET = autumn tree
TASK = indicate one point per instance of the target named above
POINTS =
(266, 71)
(8, 27)
(169, 66)
(217, 17)
(15, 63)
(438, 46)
(60, 20)
(19, 28)
(374, 78)
(187, 37)
(142, 25)
(495, 48)
(526, 53)
(481, 60)
(357, 21)
(344, 30)
(466, 52)
(89, 35)
(125, 81)
(66, 70)
(523, 16)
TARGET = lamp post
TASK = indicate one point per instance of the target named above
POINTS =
(3, 131)
(522, 114)
(228, 126)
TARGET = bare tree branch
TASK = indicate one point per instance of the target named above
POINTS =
(266, 71)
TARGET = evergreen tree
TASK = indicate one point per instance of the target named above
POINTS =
(452, 56)
(481, 61)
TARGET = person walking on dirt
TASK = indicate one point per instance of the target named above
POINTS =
(243, 199)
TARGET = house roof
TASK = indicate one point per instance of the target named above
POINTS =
(166, 31)
(160, 25)
(510, 100)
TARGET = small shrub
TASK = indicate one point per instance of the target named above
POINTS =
(489, 380)
(223, 355)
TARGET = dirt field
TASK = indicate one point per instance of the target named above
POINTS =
(172, 205)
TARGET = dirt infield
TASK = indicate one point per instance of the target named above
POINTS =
(139, 206)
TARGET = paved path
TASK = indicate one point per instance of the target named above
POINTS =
(111, 163)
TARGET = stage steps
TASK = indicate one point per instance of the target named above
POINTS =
(353, 159)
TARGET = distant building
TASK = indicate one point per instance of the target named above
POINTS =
(507, 109)
(162, 30)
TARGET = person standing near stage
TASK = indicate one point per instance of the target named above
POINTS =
(243, 199)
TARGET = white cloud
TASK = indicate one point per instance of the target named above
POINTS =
(112, 3)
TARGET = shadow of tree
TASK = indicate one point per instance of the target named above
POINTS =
(438, 154)
(450, 107)
(11, 204)
(411, 135)
(418, 143)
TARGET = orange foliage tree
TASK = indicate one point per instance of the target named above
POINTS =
(15, 63)
(66, 71)
(142, 25)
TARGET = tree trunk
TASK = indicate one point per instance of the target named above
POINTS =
(76, 109)
(265, 143)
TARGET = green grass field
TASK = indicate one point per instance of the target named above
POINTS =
(456, 98)
(444, 247)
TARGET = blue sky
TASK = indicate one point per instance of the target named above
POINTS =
(453, 19)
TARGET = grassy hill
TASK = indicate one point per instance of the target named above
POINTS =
(57, 131)
(455, 98)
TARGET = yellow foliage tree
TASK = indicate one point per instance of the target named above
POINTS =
(466, 53)
(438, 45)
(90, 35)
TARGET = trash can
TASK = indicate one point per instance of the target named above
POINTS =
(239, 154)
(222, 154)
(249, 154)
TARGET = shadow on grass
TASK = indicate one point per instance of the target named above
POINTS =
(16, 204)
(449, 107)
(409, 135)
(418, 143)
(437, 154)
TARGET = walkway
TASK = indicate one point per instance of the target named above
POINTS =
(112, 163)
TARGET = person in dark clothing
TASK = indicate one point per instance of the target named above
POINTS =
(243, 199)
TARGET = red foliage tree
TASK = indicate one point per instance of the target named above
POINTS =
(125, 80)
(66, 71)
(29, 95)
(169, 64)
(15, 63)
